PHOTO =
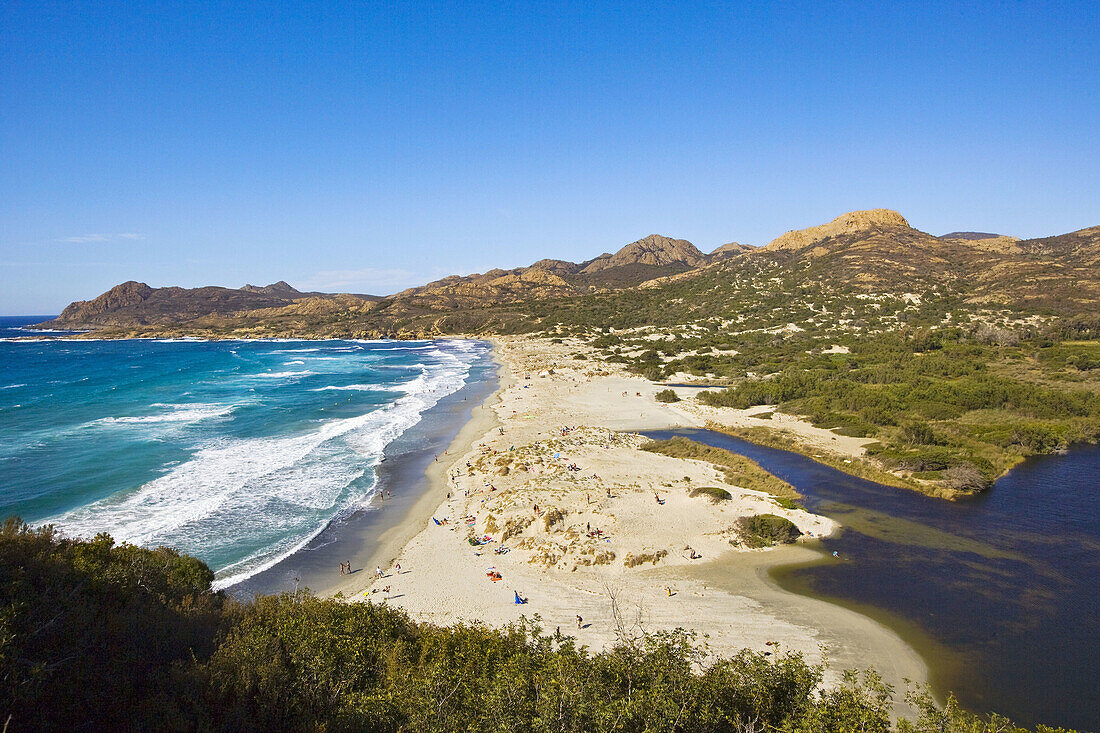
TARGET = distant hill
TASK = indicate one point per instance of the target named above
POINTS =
(134, 304)
(972, 236)
(730, 249)
(281, 288)
(875, 252)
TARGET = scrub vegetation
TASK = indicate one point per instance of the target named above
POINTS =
(767, 530)
(737, 470)
(96, 635)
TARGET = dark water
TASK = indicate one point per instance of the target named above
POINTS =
(1008, 582)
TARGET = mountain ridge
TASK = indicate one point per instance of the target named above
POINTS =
(873, 250)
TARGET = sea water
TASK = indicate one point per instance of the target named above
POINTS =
(236, 452)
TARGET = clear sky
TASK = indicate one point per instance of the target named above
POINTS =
(366, 146)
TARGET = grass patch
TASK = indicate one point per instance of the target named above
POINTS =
(631, 560)
(737, 470)
(713, 493)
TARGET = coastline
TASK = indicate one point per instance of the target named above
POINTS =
(728, 596)
(365, 536)
(411, 519)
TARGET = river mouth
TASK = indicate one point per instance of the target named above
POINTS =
(998, 592)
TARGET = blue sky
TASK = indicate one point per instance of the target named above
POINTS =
(367, 147)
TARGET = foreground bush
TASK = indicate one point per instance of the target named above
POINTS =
(98, 636)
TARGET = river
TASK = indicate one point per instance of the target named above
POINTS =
(999, 592)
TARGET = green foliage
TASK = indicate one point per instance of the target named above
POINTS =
(765, 530)
(84, 622)
(114, 637)
(713, 493)
(737, 469)
(667, 395)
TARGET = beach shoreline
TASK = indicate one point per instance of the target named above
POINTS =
(402, 487)
(390, 542)
(506, 457)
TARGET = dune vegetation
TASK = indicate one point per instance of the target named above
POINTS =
(97, 635)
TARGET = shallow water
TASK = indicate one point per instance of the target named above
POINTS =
(1008, 581)
(237, 452)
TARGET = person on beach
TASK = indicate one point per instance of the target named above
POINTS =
(398, 567)
(579, 621)
(342, 569)
(379, 571)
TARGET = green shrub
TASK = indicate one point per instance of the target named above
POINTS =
(713, 493)
(765, 530)
(667, 395)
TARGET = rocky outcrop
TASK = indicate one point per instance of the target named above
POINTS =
(126, 295)
(281, 288)
(654, 250)
(847, 224)
(728, 250)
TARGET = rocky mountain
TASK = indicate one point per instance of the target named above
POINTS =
(654, 250)
(281, 288)
(134, 304)
(730, 249)
(648, 258)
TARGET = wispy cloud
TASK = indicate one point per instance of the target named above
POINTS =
(97, 238)
(367, 280)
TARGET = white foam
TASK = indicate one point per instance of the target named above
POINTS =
(183, 413)
(281, 375)
(358, 388)
(12, 386)
(280, 491)
(402, 348)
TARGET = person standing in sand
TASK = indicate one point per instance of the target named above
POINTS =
(579, 621)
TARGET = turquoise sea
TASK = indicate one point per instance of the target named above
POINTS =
(237, 452)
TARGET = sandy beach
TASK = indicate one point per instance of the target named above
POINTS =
(546, 495)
